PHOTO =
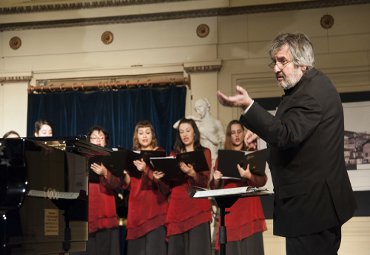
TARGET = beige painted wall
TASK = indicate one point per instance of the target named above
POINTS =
(239, 42)
(13, 108)
(342, 51)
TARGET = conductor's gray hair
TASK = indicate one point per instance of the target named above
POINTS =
(299, 46)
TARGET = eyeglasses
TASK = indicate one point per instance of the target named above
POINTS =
(97, 138)
(280, 64)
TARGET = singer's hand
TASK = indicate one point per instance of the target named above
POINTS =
(140, 164)
(187, 169)
(250, 139)
(99, 169)
(157, 175)
(217, 175)
(244, 173)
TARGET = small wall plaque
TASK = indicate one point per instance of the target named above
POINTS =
(327, 21)
(107, 37)
(15, 43)
(203, 30)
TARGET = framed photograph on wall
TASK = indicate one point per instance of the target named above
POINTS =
(357, 143)
(356, 109)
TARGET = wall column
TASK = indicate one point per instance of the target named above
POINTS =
(13, 104)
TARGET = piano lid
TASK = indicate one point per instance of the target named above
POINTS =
(13, 174)
(52, 175)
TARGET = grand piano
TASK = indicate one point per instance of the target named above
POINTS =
(44, 194)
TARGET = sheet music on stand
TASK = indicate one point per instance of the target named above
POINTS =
(239, 191)
(225, 198)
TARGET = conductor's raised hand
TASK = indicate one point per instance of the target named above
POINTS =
(240, 99)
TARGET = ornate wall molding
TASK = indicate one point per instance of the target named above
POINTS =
(107, 83)
(15, 78)
(145, 17)
(44, 6)
(202, 67)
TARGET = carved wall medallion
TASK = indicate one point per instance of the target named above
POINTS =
(327, 21)
(15, 43)
(107, 37)
(203, 30)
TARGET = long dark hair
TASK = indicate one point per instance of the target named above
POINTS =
(179, 146)
(228, 144)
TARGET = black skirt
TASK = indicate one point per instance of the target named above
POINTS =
(153, 243)
(252, 245)
(196, 241)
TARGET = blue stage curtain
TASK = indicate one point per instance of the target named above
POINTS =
(74, 112)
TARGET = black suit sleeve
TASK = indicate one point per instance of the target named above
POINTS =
(289, 127)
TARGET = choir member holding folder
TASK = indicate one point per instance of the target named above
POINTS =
(245, 221)
(148, 201)
(255, 159)
(188, 229)
(102, 217)
(170, 166)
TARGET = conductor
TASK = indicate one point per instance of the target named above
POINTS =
(305, 140)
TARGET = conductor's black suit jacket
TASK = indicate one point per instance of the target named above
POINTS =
(305, 141)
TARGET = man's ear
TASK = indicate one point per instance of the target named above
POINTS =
(303, 69)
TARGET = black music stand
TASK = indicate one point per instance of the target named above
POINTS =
(225, 198)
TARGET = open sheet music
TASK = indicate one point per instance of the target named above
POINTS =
(242, 191)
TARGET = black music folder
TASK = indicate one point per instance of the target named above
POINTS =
(130, 156)
(170, 165)
(115, 162)
(146, 155)
(229, 159)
